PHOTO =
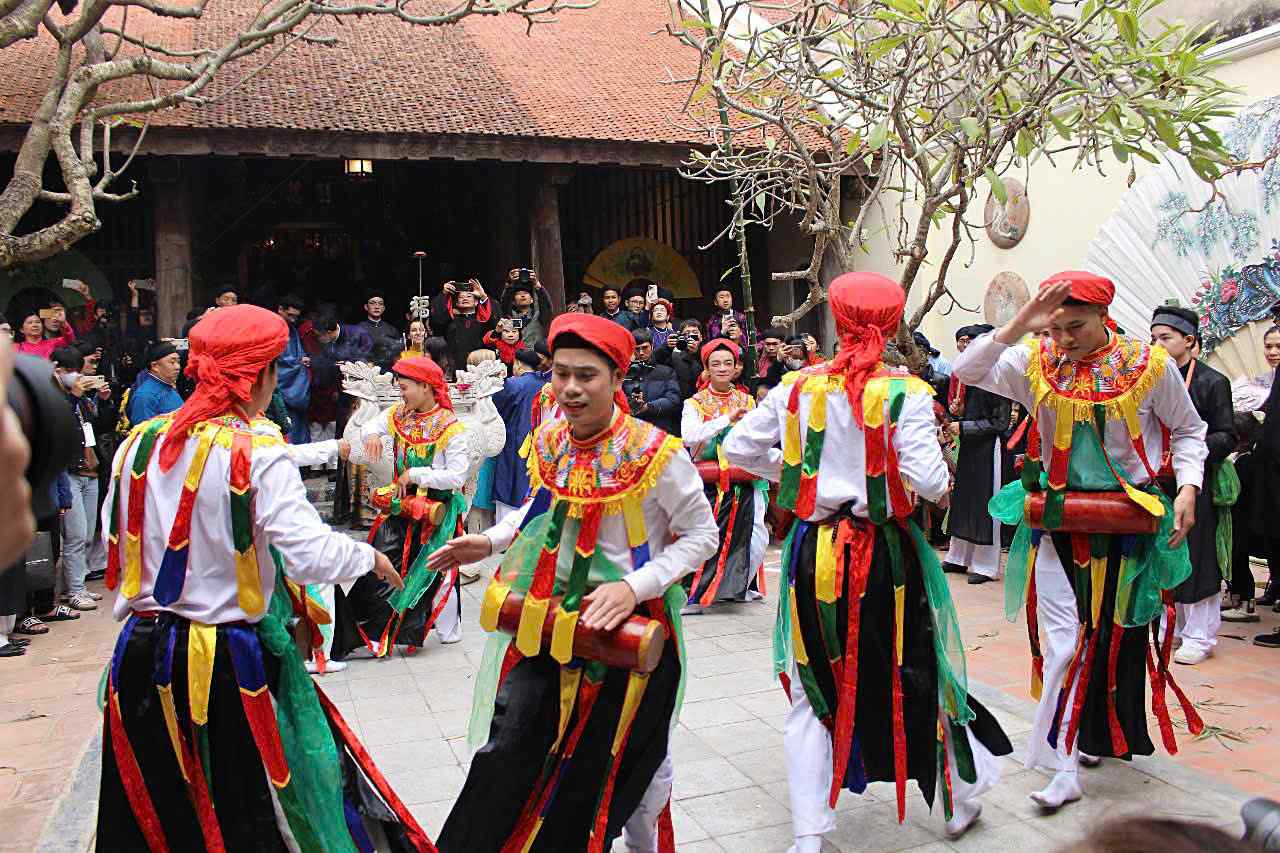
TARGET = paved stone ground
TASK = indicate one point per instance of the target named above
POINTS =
(730, 790)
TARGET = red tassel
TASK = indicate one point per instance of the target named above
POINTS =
(266, 734)
(1158, 706)
(198, 788)
(112, 578)
(135, 789)
(807, 495)
(860, 543)
(785, 680)
(1119, 745)
(1033, 632)
(1077, 706)
(709, 596)
(899, 737)
(898, 500)
(666, 832)
(1195, 725)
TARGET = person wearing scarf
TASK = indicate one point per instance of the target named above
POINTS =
(978, 421)
(1199, 615)
(568, 748)
(867, 643)
(1094, 577)
(215, 737)
(418, 512)
(738, 500)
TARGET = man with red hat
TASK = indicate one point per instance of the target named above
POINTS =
(867, 641)
(738, 500)
(419, 511)
(1098, 550)
(243, 751)
(570, 748)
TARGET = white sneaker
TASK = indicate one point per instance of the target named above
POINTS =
(964, 815)
(1189, 655)
(453, 636)
(1087, 760)
(1063, 789)
(329, 666)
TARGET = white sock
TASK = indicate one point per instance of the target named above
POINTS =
(1062, 789)
(807, 844)
(964, 813)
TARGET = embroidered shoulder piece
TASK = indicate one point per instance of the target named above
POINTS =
(711, 405)
(421, 429)
(622, 467)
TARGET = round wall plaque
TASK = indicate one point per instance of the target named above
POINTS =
(1006, 293)
(1007, 224)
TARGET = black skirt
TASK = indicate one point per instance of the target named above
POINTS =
(1202, 547)
(873, 734)
(505, 770)
(969, 518)
(728, 574)
(364, 615)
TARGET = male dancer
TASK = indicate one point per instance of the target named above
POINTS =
(1100, 403)
(215, 737)
(740, 505)
(430, 466)
(979, 422)
(867, 641)
(571, 749)
(1199, 615)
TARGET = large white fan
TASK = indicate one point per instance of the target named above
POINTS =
(1166, 240)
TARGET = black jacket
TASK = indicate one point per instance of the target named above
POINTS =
(464, 333)
(685, 365)
(387, 342)
(1211, 395)
(983, 424)
(656, 383)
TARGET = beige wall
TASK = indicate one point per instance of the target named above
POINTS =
(1067, 208)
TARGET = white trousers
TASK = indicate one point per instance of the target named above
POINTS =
(640, 833)
(321, 432)
(759, 531)
(501, 510)
(1059, 630)
(1197, 624)
(7, 624)
(449, 622)
(980, 559)
(809, 754)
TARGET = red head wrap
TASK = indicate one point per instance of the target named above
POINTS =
(868, 310)
(421, 368)
(720, 343)
(1085, 286)
(229, 349)
(611, 338)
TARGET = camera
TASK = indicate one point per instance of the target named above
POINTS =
(524, 275)
(516, 322)
(463, 286)
(49, 425)
(679, 341)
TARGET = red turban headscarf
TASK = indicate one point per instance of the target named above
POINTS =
(230, 347)
(1085, 286)
(421, 368)
(868, 310)
(611, 338)
(720, 343)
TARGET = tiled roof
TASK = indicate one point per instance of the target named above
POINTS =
(600, 74)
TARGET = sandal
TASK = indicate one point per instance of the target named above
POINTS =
(19, 641)
(61, 613)
(9, 650)
(31, 625)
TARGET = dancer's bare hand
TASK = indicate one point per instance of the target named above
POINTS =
(460, 551)
(373, 447)
(344, 448)
(385, 571)
(1184, 515)
(608, 605)
(1039, 312)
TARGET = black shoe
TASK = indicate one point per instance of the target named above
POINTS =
(96, 575)
(1272, 639)
(9, 650)
(1271, 596)
(976, 578)
(954, 569)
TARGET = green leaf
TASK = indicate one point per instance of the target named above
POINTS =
(997, 185)
(1024, 143)
(1121, 151)
(1147, 155)
(879, 135)
(853, 143)
(1127, 24)
(879, 48)
(1166, 131)
(972, 127)
(759, 201)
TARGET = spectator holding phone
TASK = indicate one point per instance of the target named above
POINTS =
(661, 313)
(505, 341)
(723, 313)
(35, 340)
(462, 315)
(652, 390)
(524, 299)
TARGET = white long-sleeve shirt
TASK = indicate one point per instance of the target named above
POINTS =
(314, 453)
(842, 470)
(448, 468)
(675, 508)
(282, 518)
(993, 366)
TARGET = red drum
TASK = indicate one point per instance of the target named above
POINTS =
(709, 470)
(636, 644)
(414, 507)
(1094, 512)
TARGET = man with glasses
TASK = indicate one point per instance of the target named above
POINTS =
(387, 342)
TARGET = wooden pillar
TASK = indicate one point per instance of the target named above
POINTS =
(504, 219)
(548, 257)
(172, 194)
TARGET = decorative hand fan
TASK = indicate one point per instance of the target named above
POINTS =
(1168, 240)
(639, 257)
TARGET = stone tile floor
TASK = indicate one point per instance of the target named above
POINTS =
(730, 791)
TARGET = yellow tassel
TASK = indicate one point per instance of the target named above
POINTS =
(1037, 686)
(791, 449)
(825, 565)
(533, 836)
(1098, 582)
(797, 639)
(248, 582)
(899, 603)
(202, 642)
(569, 681)
(818, 411)
(131, 584)
(196, 470)
(562, 635)
(494, 595)
(633, 514)
(636, 684)
(529, 635)
(873, 404)
(1146, 500)
(171, 723)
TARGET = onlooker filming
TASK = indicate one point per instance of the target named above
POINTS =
(461, 314)
(724, 311)
(387, 342)
(526, 301)
(505, 341)
(681, 354)
(652, 390)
